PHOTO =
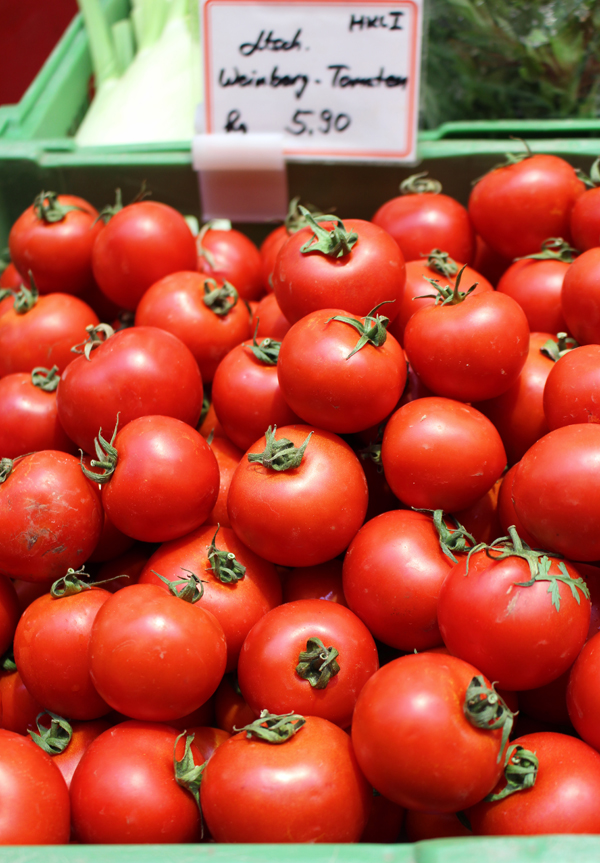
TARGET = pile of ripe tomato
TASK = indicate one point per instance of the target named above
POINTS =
(301, 544)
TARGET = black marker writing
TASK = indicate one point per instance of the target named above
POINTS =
(369, 22)
(341, 80)
(233, 122)
(275, 80)
(271, 43)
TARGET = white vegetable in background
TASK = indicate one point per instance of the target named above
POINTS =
(156, 97)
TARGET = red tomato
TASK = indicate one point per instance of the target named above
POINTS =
(231, 710)
(275, 647)
(571, 391)
(581, 298)
(470, 351)
(18, 707)
(231, 255)
(270, 319)
(184, 304)
(140, 244)
(323, 581)
(269, 250)
(253, 791)
(517, 206)
(135, 372)
(331, 384)
(124, 789)
(372, 272)
(585, 220)
(583, 702)
(112, 543)
(306, 514)
(50, 517)
(536, 285)
(228, 457)
(441, 454)
(506, 509)
(9, 613)
(555, 492)
(247, 396)
(488, 262)
(175, 653)
(393, 573)
(84, 733)
(53, 240)
(51, 652)
(237, 604)
(10, 278)
(481, 520)
(562, 800)
(418, 747)
(35, 798)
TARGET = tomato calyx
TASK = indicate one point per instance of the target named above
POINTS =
(372, 331)
(70, 583)
(45, 379)
(520, 772)
(448, 295)
(6, 292)
(420, 184)
(107, 457)
(593, 179)
(6, 467)
(26, 298)
(484, 708)
(274, 728)
(553, 249)
(217, 299)
(510, 159)
(188, 774)
(317, 664)
(111, 210)
(456, 540)
(97, 335)
(295, 220)
(442, 263)
(539, 565)
(268, 350)
(47, 208)
(555, 350)
(335, 242)
(7, 662)
(223, 564)
(280, 454)
(189, 589)
(54, 739)
(211, 225)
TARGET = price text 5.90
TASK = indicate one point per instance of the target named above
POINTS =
(308, 122)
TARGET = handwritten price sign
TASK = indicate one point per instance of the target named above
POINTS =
(338, 79)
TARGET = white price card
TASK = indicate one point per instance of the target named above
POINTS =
(338, 78)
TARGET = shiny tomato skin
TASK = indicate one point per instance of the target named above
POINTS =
(537, 287)
(580, 298)
(413, 741)
(33, 795)
(228, 456)
(18, 707)
(441, 454)
(124, 790)
(237, 606)
(267, 667)
(562, 800)
(571, 391)
(51, 652)
(416, 289)
(555, 492)
(84, 733)
(583, 702)
(58, 254)
(374, 271)
(234, 257)
(305, 515)
(585, 220)
(253, 791)
(44, 335)
(518, 206)
(176, 304)
(518, 413)
(175, 651)
(166, 481)
(393, 573)
(140, 244)
(421, 222)
(50, 517)
(506, 509)
(512, 632)
(136, 372)
(471, 351)
(330, 389)
(29, 418)
(269, 249)
(247, 396)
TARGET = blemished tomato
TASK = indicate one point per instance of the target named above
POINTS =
(268, 669)
(124, 789)
(33, 794)
(253, 791)
(580, 298)
(185, 304)
(50, 517)
(229, 254)
(418, 748)
(140, 244)
(176, 653)
(51, 652)
(562, 800)
(517, 206)
(331, 384)
(135, 372)
(303, 515)
(441, 454)
(372, 272)
(53, 240)
(571, 390)
(555, 492)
